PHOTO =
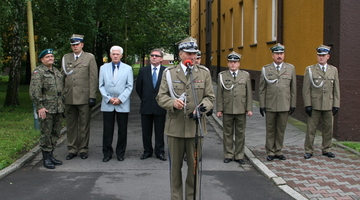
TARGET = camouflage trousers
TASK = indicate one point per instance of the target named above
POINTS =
(49, 131)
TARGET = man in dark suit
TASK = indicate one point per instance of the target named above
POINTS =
(147, 87)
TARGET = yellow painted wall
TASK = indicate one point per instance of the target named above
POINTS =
(303, 31)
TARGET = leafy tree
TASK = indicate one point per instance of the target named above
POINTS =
(136, 25)
(13, 26)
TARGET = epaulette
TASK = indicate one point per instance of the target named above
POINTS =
(168, 68)
(245, 71)
(89, 54)
(222, 72)
(203, 67)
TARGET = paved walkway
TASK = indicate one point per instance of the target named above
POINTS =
(317, 178)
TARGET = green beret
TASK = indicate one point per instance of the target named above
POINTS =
(46, 51)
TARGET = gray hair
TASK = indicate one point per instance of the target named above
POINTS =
(116, 48)
(159, 50)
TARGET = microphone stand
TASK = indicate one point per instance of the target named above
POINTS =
(198, 121)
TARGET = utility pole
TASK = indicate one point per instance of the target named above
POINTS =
(32, 52)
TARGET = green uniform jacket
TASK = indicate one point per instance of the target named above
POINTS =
(238, 100)
(178, 124)
(45, 89)
(280, 95)
(325, 97)
(82, 83)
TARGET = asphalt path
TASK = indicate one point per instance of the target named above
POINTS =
(134, 179)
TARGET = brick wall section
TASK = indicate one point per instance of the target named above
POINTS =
(341, 32)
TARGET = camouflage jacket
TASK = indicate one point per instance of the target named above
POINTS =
(45, 89)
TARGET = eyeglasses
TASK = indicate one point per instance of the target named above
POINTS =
(154, 55)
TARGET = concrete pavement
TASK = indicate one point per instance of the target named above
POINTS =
(133, 178)
(317, 178)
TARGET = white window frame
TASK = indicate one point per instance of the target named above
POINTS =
(274, 14)
(255, 21)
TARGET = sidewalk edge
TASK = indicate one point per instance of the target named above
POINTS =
(34, 151)
(262, 168)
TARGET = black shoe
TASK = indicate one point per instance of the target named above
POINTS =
(280, 157)
(329, 154)
(47, 161)
(106, 159)
(308, 155)
(145, 155)
(161, 157)
(54, 160)
(70, 156)
(227, 160)
(120, 158)
(270, 158)
(83, 155)
(240, 161)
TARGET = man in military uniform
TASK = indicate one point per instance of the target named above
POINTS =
(321, 93)
(45, 91)
(198, 58)
(277, 90)
(233, 103)
(80, 84)
(177, 97)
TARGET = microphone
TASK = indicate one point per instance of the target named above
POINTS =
(188, 63)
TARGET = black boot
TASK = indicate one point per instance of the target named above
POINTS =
(54, 160)
(47, 160)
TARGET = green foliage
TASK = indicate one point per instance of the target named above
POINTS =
(17, 133)
(353, 145)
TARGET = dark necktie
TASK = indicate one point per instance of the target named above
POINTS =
(234, 75)
(154, 77)
(188, 72)
(323, 69)
(278, 68)
(76, 58)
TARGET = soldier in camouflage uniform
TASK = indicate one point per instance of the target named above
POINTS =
(45, 91)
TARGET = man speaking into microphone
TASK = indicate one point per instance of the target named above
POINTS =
(177, 97)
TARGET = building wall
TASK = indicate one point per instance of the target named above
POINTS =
(304, 25)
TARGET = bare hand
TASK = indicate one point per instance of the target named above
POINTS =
(178, 104)
(249, 113)
(219, 114)
(42, 113)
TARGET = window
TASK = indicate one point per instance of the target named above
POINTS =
(274, 19)
(255, 21)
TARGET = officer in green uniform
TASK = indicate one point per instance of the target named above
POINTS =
(321, 93)
(45, 91)
(80, 85)
(198, 58)
(176, 96)
(277, 91)
(233, 103)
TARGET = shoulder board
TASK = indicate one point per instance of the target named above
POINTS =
(222, 72)
(288, 64)
(170, 68)
(268, 65)
(90, 54)
(203, 67)
(244, 71)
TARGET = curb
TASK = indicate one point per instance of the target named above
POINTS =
(34, 151)
(262, 168)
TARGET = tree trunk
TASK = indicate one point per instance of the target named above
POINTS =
(12, 94)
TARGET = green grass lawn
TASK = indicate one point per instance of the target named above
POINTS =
(17, 133)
